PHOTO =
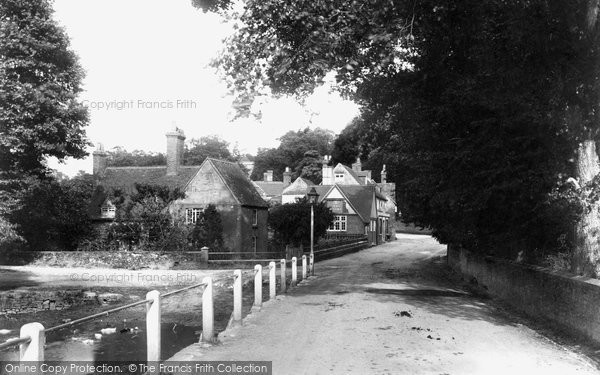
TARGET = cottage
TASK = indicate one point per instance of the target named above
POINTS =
(360, 205)
(221, 183)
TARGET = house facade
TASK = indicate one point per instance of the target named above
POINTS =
(221, 183)
(360, 205)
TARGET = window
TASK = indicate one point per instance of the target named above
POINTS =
(339, 223)
(337, 206)
(107, 210)
(192, 215)
(255, 217)
(339, 177)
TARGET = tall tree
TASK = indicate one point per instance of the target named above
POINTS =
(586, 259)
(40, 79)
(212, 146)
(291, 152)
(482, 103)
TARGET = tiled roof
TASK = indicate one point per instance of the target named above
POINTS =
(299, 186)
(238, 182)
(125, 178)
(270, 188)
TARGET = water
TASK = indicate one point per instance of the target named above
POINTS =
(180, 328)
(181, 324)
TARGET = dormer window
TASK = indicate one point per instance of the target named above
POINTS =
(108, 210)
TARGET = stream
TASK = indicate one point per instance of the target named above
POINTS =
(118, 336)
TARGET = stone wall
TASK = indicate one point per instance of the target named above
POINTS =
(568, 302)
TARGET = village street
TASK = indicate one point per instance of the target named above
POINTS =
(390, 309)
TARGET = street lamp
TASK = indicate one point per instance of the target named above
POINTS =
(313, 198)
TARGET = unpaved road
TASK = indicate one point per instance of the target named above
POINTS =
(389, 310)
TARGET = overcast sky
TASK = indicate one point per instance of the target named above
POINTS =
(146, 67)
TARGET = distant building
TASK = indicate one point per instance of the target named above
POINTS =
(221, 183)
(296, 190)
(360, 205)
(270, 190)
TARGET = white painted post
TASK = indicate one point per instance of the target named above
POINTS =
(283, 281)
(34, 349)
(311, 264)
(303, 267)
(153, 326)
(207, 311)
(272, 280)
(258, 285)
(294, 271)
(237, 297)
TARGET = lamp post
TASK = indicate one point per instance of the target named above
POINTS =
(313, 197)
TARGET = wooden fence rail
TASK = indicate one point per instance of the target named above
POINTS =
(33, 335)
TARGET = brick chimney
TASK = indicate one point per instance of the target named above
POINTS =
(357, 167)
(326, 171)
(100, 160)
(175, 139)
(268, 176)
(383, 175)
(287, 177)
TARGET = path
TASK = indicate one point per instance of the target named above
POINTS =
(389, 310)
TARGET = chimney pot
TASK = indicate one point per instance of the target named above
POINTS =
(287, 177)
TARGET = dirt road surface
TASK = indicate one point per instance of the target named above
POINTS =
(390, 310)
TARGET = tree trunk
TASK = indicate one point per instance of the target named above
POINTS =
(587, 231)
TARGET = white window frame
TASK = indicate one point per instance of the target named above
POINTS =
(339, 223)
(192, 214)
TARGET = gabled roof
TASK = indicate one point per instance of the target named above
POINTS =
(269, 188)
(125, 178)
(298, 187)
(237, 182)
(360, 197)
(352, 172)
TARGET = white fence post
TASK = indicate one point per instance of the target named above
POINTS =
(271, 280)
(303, 267)
(283, 281)
(294, 271)
(207, 311)
(153, 326)
(237, 297)
(258, 285)
(34, 349)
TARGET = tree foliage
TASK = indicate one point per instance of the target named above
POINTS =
(211, 146)
(40, 79)
(208, 230)
(291, 222)
(292, 153)
(120, 157)
(143, 219)
(476, 106)
(53, 215)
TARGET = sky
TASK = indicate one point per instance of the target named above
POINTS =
(146, 64)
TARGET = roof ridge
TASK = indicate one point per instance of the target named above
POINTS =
(222, 161)
(137, 167)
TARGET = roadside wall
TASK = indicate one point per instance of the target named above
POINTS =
(568, 302)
